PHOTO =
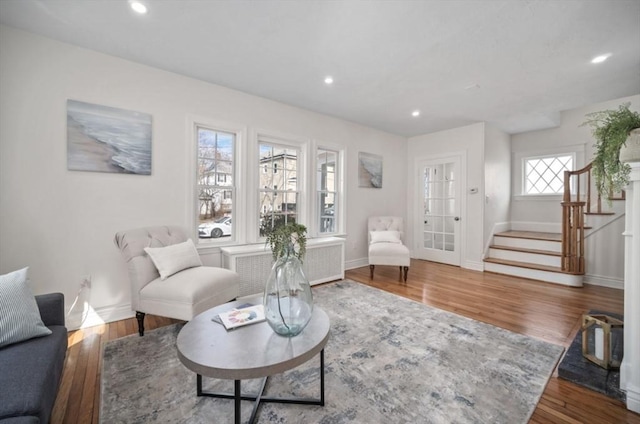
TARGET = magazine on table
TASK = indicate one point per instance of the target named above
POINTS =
(242, 315)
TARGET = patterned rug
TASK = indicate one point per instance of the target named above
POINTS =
(388, 360)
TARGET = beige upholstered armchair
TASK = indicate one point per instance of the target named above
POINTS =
(167, 277)
(386, 246)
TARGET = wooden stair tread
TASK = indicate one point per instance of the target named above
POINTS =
(599, 213)
(525, 265)
(532, 235)
(526, 250)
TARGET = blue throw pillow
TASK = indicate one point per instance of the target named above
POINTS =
(19, 314)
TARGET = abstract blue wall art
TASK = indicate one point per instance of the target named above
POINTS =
(107, 139)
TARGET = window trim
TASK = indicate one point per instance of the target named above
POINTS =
(577, 151)
(238, 235)
(258, 136)
(339, 209)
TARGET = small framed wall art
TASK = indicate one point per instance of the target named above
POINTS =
(369, 170)
(107, 139)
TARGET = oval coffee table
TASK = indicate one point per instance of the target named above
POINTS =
(253, 351)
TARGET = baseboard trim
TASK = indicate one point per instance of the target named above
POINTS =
(99, 316)
(473, 265)
(633, 398)
(356, 263)
(599, 280)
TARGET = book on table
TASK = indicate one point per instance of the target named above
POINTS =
(244, 305)
(239, 317)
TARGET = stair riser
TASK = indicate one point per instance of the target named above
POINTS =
(549, 277)
(553, 246)
(532, 258)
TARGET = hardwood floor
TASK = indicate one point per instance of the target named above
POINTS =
(545, 311)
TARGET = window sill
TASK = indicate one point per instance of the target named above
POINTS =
(213, 247)
(321, 236)
(538, 198)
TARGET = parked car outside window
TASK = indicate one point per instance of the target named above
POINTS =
(220, 227)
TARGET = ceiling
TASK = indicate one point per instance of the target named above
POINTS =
(514, 64)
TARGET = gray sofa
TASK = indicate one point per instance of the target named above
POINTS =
(30, 371)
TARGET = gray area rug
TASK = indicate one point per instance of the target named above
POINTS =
(388, 360)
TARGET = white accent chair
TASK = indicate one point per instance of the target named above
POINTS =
(182, 295)
(386, 246)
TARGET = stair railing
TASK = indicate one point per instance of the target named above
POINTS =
(574, 203)
(573, 210)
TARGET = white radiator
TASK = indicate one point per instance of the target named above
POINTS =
(323, 262)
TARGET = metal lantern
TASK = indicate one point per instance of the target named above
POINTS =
(598, 339)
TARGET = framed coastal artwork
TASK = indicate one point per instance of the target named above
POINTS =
(369, 170)
(107, 139)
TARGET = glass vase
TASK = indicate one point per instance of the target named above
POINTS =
(288, 302)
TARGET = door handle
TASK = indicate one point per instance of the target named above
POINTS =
(457, 218)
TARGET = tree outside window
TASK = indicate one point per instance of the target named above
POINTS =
(215, 181)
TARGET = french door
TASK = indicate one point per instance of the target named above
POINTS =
(438, 210)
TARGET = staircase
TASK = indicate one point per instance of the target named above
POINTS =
(552, 257)
(529, 254)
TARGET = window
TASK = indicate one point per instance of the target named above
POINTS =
(545, 174)
(327, 189)
(280, 204)
(215, 179)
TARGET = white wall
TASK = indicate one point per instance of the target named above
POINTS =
(469, 139)
(61, 223)
(497, 182)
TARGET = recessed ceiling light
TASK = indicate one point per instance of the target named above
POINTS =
(328, 80)
(139, 7)
(415, 113)
(601, 58)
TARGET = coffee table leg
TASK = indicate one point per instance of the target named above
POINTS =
(259, 398)
(322, 377)
(238, 398)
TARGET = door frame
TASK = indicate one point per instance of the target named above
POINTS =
(461, 155)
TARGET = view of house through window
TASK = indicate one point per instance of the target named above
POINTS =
(545, 175)
(278, 186)
(215, 183)
(326, 190)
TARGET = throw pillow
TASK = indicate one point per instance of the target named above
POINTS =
(19, 314)
(174, 258)
(385, 237)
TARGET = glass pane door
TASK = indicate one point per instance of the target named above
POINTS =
(440, 211)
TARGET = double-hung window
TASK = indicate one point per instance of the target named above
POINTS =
(279, 186)
(327, 180)
(215, 183)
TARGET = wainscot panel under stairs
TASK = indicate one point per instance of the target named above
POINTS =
(529, 254)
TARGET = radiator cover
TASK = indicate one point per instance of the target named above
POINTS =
(324, 261)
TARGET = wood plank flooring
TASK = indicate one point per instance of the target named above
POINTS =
(545, 311)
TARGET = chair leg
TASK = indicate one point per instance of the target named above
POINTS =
(140, 318)
(371, 271)
(406, 271)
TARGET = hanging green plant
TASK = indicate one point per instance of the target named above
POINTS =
(611, 129)
(286, 239)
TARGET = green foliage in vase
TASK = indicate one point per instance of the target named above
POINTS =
(611, 128)
(288, 236)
